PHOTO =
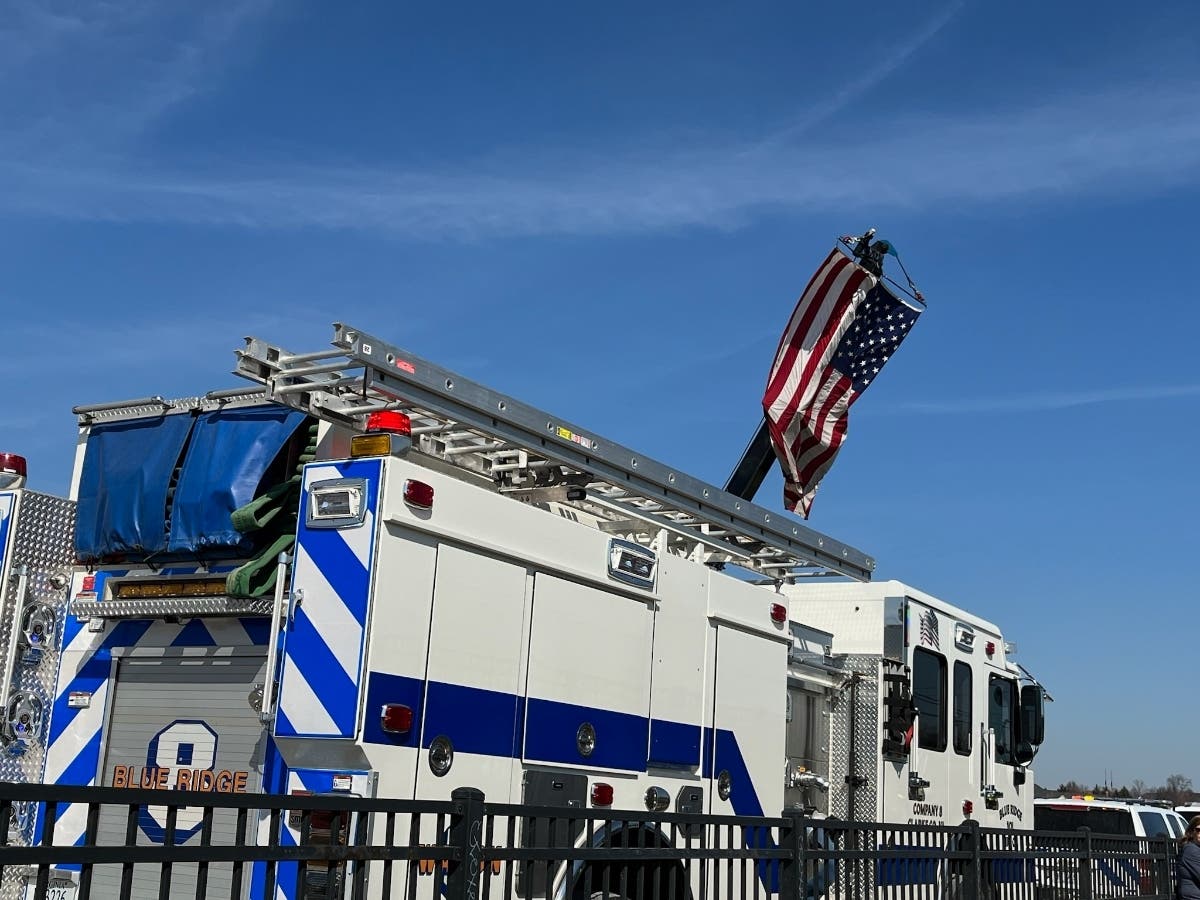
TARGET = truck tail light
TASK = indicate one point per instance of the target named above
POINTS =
(396, 718)
(602, 794)
(418, 494)
(779, 613)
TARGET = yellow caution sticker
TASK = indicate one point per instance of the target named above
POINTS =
(568, 435)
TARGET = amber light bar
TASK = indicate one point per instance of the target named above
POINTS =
(151, 589)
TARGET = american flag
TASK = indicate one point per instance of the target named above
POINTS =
(845, 327)
(929, 630)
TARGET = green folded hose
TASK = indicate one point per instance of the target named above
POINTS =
(270, 518)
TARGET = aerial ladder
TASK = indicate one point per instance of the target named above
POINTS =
(540, 457)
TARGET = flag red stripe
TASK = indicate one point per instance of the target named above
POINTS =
(806, 311)
(816, 440)
(811, 421)
(831, 328)
(776, 364)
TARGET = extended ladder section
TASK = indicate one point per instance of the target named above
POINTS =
(536, 456)
(94, 413)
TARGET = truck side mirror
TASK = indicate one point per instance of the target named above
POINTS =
(1024, 753)
(1033, 716)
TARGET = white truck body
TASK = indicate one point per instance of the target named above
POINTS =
(436, 632)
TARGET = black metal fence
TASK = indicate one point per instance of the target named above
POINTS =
(114, 842)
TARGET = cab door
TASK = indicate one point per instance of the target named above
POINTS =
(917, 790)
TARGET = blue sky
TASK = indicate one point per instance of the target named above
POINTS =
(580, 205)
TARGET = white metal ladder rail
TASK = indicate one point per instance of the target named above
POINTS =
(523, 449)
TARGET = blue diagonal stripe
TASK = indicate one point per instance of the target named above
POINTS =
(324, 674)
(93, 673)
(340, 567)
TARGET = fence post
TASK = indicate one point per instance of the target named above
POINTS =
(1085, 865)
(973, 877)
(791, 867)
(466, 834)
(1166, 889)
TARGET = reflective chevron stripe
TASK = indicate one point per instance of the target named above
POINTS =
(323, 651)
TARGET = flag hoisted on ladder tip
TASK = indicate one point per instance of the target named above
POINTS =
(846, 325)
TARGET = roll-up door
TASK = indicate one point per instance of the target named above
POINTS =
(181, 721)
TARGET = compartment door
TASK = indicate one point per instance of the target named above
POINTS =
(473, 696)
(589, 664)
(749, 724)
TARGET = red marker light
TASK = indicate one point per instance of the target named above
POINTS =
(418, 494)
(88, 585)
(990, 649)
(395, 718)
(12, 464)
(779, 613)
(322, 819)
(602, 794)
(968, 808)
(389, 421)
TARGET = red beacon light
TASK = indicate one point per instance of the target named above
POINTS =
(387, 432)
(12, 471)
(389, 421)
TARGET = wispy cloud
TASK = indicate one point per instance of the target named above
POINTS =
(81, 79)
(1065, 146)
(874, 75)
(1049, 401)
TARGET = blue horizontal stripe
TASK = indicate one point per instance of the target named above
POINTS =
(383, 689)
(475, 720)
(552, 727)
(674, 744)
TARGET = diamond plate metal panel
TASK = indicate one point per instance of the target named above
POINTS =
(43, 543)
(865, 713)
(855, 879)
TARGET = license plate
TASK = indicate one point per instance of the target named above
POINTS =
(59, 889)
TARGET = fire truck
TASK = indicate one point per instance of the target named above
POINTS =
(367, 574)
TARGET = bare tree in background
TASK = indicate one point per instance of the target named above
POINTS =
(1179, 789)
(1138, 788)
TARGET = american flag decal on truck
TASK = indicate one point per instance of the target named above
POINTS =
(929, 629)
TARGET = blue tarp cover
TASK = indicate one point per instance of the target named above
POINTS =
(123, 487)
(228, 454)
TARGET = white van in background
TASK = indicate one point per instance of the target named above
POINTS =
(1123, 817)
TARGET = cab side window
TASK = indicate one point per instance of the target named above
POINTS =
(929, 696)
(1002, 706)
(962, 708)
